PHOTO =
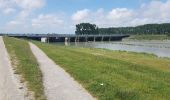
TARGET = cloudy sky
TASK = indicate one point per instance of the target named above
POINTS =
(61, 16)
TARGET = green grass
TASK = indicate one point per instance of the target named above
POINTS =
(150, 37)
(124, 75)
(26, 65)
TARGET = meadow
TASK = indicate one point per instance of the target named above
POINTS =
(114, 75)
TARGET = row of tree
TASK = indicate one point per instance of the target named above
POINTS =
(87, 28)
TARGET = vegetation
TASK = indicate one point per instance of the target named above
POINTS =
(117, 75)
(158, 29)
(26, 65)
(151, 29)
(86, 28)
(149, 37)
(168, 34)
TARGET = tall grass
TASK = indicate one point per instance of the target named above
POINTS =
(26, 65)
(114, 75)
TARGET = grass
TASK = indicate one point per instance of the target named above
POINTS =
(114, 75)
(26, 65)
(150, 37)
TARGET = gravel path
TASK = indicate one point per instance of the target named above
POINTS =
(58, 84)
(9, 84)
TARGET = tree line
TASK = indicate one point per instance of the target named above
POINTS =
(154, 29)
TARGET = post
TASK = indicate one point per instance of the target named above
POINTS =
(94, 39)
(109, 38)
(75, 39)
(66, 39)
(66, 43)
(86, 39)
(102, 38)
(48, 39)
(78, 39)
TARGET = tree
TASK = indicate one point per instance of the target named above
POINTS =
(86, 29)
(160, 29)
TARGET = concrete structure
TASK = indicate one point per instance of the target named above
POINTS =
(43, 39)
(69, 37)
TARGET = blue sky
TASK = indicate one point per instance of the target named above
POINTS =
(73, 5)
(61, 16)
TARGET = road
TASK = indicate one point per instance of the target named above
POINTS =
(9, 83)
(58, 84)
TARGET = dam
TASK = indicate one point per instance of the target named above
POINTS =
(68, 37)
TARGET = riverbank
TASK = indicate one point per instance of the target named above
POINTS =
(160, 48)
(149, 37)
(25, 64)
(110, 74)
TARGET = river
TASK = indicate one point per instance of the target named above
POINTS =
(159, 48)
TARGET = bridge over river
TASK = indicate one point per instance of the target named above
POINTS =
(68, 37)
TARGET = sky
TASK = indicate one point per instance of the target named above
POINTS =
(61, 16)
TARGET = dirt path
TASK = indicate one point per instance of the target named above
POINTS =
(9, 84)
(58, 84)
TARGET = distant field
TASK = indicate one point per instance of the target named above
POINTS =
(26, 65)
(114, 75)
(150, 37)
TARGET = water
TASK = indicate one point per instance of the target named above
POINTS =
(159, 48)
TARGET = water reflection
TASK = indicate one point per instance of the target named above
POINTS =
(159, 48)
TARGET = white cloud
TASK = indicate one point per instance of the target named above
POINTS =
(13, 23)
(157, 11)
(23, 14)
(24, 4)
(21, 18)
(102, 18)
(14, 26)
(30, 4)
(47, 21)
(80, 15)
(8, 11)
(6, 6)
(6, 3)
(119, 14)
(24, 7)
(153, 12)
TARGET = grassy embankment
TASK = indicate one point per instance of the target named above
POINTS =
(26, 65)
(150, 37)
(114, 75)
